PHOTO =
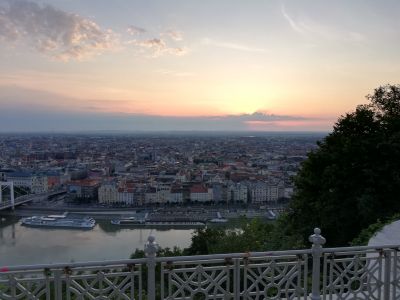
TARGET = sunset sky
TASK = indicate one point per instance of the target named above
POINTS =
(192, 65)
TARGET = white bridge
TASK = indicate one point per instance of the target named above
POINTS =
(14, 201)
(11, 202)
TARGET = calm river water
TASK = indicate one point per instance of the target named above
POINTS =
(26, 245)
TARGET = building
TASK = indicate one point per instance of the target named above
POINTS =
(39, 184)
(108, 193)
(258, 192)
(126, 196)
(56, 179)
(263, 193)
(150, 196)
(219, 193)
(84, 189)
(176, 195)
(200, 193)
(123, 193)
(237, 193)
(30, 182)
(163, 194)
(275, 192)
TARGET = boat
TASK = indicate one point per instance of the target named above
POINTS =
(175, 224)
(59, 222)
(218, 219)
(127, 221)
(64, 215)
(166, 224)
(271, 215)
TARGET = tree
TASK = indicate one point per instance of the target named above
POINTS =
(203, 239)
(353, 178)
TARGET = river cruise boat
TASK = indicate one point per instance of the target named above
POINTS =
(165, 224)
(59, 222)
(128, 221)
(175, 224)
(218, 219)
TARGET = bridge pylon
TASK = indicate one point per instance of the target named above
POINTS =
(10, 184)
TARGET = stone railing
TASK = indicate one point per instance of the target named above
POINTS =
(316, 273)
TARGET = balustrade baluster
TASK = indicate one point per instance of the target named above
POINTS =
(317, 241)
(150, 249)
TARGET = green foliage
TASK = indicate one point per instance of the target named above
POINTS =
(163, 252)
(204, 239)
(367, 233)
(353, 178)
(250, 236)
(282, 237)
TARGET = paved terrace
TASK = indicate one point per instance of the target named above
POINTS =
(315, 273)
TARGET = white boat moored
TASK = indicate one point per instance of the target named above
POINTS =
(43, 221)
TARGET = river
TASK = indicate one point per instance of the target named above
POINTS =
(25, 245)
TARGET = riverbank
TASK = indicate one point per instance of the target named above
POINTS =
(166, 214)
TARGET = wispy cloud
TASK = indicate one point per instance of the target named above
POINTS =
(296, 27)
(55, 33)
(135, 30)
(174, 73)
(314, 30)
(152, 43)
(158, 47)
(158, 44)
(232, 46)
(175, 35)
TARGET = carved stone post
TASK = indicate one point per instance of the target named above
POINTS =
(150, 249)
(317, 241)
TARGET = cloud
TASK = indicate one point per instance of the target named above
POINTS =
(167, 42)
(67, 36)
(264, 117)
(174, 73)
(174, 35)
(292, 23)
(313, 30)
(55, 33)
(37, 110)
(152, 43)
(158, 47)
(43, 120)
(232, 46)
(134, 30)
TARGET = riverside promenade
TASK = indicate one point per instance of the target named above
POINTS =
(193, 213)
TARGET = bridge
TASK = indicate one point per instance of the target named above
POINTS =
(15, 201)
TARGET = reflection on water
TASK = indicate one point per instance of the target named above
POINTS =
(27, 245)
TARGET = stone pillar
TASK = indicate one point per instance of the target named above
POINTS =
(317, 241)
(150, 249)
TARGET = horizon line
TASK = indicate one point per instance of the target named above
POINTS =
(164, 131)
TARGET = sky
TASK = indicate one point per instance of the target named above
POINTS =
(276, 65)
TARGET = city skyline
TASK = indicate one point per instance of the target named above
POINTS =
(229, 66)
